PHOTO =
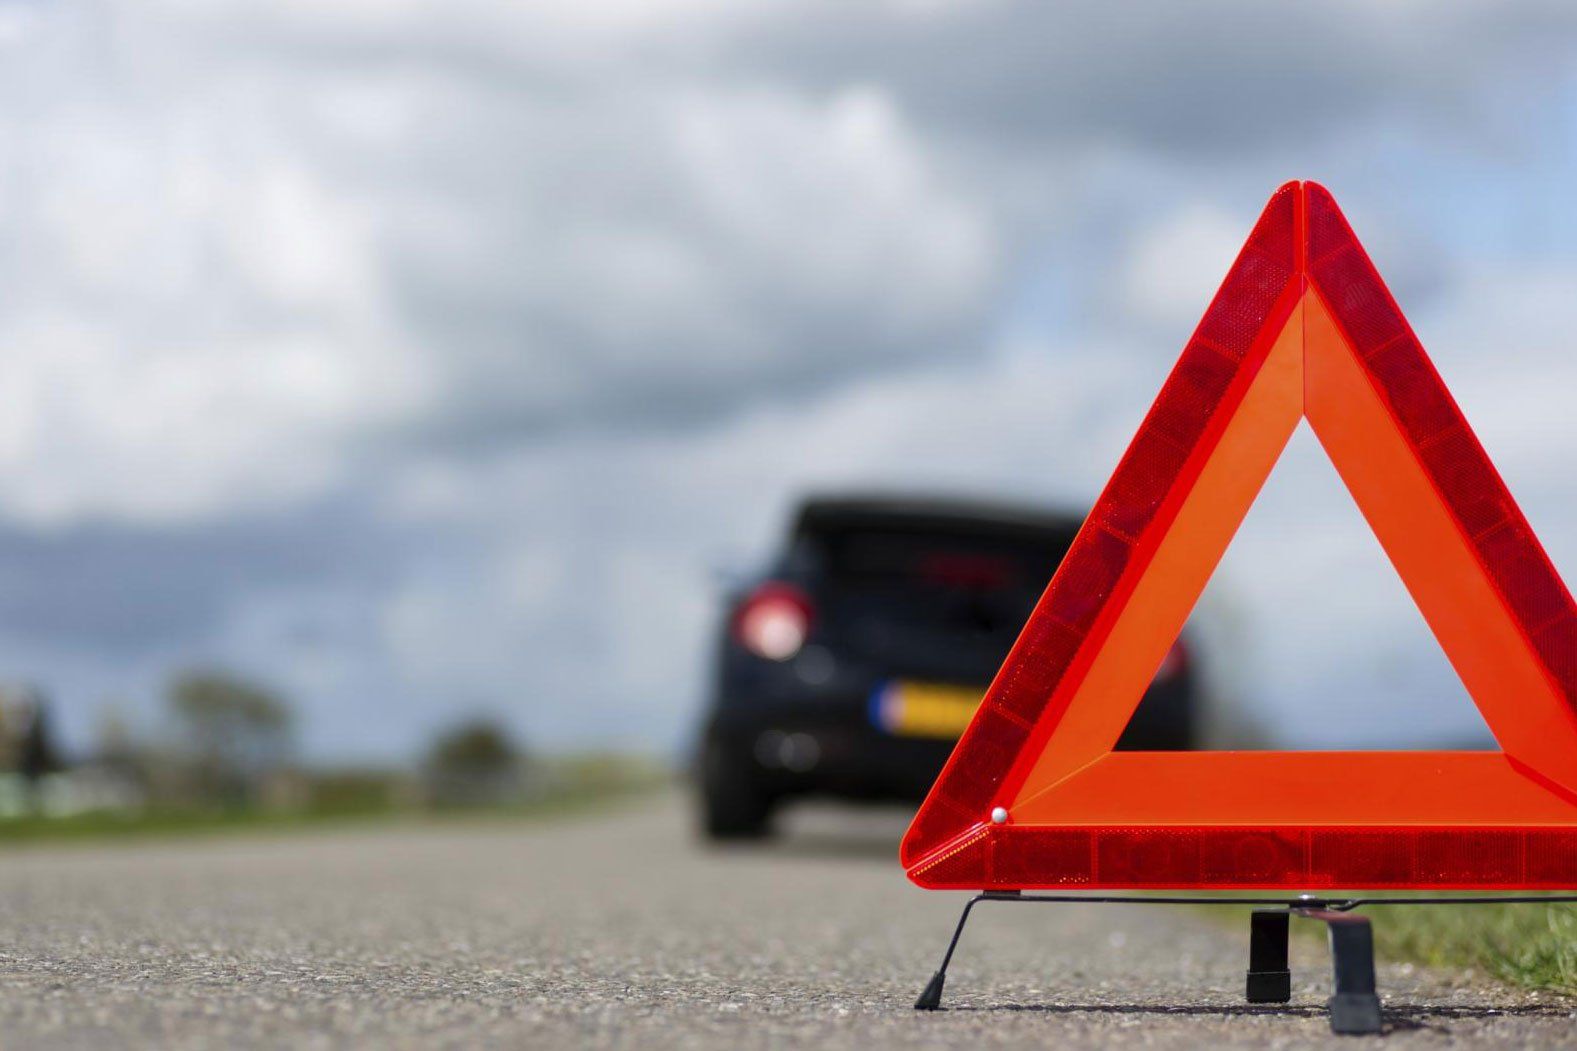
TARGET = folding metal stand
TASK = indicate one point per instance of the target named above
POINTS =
(1354, 1006)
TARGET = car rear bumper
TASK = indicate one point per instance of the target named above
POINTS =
(832, 743)
(827, 747)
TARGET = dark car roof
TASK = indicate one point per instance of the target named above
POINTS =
(827, 512)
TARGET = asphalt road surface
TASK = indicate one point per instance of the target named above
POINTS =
(619, 931)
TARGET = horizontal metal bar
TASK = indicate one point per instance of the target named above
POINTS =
(1306, 901)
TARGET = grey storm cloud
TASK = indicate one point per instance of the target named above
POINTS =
(1212, 79)
(122, 588)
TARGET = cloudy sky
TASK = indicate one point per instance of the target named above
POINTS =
(430, 358)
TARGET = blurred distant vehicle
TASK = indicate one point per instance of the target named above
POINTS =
(850, 669)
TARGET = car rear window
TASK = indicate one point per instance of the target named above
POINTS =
(948, 559)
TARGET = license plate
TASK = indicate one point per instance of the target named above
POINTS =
(924, 709)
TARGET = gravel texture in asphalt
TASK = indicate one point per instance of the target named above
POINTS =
(618, 930)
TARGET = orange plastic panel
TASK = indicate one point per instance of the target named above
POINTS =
(1496, 660)
(1301, 327)
(1185, 556)
(1313, 788)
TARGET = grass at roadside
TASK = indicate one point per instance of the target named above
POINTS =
(587, 786)
(1534, 946)
(110, 825)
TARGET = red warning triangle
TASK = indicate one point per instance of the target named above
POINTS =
(1034, 796)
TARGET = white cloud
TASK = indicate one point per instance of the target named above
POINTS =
(232, 265)
(1174, 269)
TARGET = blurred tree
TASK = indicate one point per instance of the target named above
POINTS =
(114, 744)
(36, 753)
(474, 763)
(234, 731)
(25, 739)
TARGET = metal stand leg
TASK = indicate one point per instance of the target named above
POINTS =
(931, 996)
(1269, 980)
(1355, 1007)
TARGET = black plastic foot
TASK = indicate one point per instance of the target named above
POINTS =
(1355, 1013)
(1269, 987)
(931, 999)
(1269, 980)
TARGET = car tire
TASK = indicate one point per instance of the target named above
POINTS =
(734, 806)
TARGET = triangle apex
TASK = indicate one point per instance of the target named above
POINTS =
(1316, 190)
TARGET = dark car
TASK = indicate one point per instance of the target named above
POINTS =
(850, 669)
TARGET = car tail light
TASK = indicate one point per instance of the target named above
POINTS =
(773, 621)
(1173, 663)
